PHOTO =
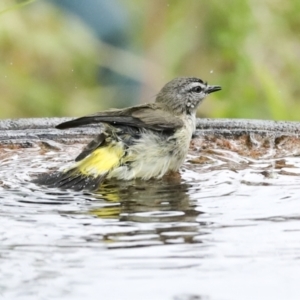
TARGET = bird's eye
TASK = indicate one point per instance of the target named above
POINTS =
(197, 89)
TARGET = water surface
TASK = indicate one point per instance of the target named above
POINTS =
(229, 228)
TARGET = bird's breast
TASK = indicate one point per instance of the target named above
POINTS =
(154, 154)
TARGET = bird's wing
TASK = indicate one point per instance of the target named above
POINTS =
(91, 146)
(149, 116)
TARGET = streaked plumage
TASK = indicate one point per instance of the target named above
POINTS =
(144, 141)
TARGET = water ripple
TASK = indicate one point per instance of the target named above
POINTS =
(230, 218)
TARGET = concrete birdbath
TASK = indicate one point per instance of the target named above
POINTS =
(230, 220)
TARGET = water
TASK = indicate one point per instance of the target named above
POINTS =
(228, 229)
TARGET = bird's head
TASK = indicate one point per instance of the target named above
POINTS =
(184, 94)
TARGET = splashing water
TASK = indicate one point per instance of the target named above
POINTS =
(221, 231)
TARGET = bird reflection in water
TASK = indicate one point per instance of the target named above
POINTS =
(164, 205)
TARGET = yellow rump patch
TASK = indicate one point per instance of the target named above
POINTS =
(101, 161)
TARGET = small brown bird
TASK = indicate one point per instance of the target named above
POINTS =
(144, 141)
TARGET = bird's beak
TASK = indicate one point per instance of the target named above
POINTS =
(212, 88)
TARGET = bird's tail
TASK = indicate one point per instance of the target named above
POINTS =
(70, 179)
(87, 174)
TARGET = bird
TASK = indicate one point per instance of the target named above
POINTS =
(146, 141)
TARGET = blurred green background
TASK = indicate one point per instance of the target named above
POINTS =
(59, 60)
